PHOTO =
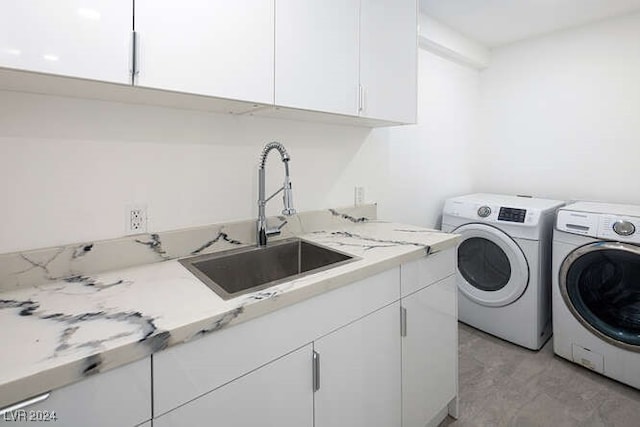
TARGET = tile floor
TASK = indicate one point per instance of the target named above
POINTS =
(502, 384)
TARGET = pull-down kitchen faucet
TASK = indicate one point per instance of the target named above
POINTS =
(262, 232)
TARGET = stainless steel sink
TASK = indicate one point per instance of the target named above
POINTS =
(240, 271)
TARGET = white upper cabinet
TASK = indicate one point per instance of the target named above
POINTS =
(216, 48)
(316, 55)
(352, 57)
(388, 59)
(88, 38)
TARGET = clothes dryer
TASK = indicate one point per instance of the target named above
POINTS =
(504, 264)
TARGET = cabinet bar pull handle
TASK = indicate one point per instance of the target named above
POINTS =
(403, 322)
(316, 371)
(24, 403)
(360, 98)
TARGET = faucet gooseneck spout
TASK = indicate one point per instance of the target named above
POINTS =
(262, 231)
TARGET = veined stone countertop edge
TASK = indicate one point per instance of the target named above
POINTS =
(59, 333)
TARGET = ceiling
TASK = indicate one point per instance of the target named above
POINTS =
(498, 22)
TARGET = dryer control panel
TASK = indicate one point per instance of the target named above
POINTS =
(491, 213)
(512, 214)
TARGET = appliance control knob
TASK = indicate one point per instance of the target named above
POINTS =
(484, 211)
(624, 228)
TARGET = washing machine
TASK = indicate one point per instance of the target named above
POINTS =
(504, 264)
(596, 288)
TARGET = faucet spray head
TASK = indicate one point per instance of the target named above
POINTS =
(287, 193)
(287, 196)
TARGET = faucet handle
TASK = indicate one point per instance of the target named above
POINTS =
(275, 231)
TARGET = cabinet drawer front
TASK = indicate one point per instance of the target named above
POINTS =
(120, 397)
(426, 271)
(184, 372)
(277, 394)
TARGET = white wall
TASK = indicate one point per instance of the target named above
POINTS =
(69, 166)
(561, 115)
(431, 161)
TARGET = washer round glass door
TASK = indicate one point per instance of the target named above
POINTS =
(600, 283)
(492, 269)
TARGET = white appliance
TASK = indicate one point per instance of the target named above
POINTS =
(504, 264)
(596, 288)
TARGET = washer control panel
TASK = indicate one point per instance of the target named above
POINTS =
(604, 226)
(624, 228)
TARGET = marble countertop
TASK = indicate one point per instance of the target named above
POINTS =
(58, 333)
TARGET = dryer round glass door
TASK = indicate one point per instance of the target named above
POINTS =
(492, 269)
(600, 283)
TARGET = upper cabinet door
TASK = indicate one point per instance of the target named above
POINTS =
(388, 59)
(77, 38)
(317, 55)
(217, 48)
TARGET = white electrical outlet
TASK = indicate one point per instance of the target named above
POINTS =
(358, 197)
(135, 219)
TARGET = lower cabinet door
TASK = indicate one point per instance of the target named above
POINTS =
(119, 397)
(278, 394)
(429, 352)
(359, 373)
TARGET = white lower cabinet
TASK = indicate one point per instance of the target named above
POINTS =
(184, 372)
(359, 373)
(429, 352)
(278, 394)
(352, 368)
(120, 397)
(353, 381)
